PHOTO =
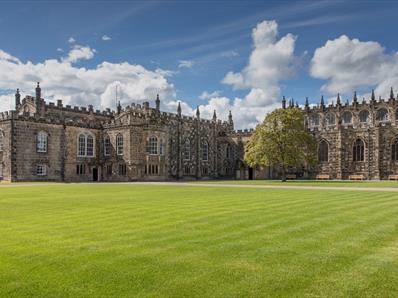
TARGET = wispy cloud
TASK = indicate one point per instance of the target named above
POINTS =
(106, 38)
(185, 63)
(71, 40)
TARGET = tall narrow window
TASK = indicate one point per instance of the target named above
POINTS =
(161, 147)
(314, 120)
(330, 119)
(82, 145)
(1, 170)
(228, 152)
(107, 146)
(153, 145)
(41, 142)
(119, 144)
(394, 150)
(358, 151)
(323, 151)
(187, 150)
(205, 151)
(90, 146)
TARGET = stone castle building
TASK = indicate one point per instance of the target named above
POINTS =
(42, 141)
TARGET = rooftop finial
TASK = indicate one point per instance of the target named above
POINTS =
(157, 102)
(338, 101)
(373, 97)
(230, 117)
(179, 109)
(283, 102)
(38, 91)
(391, 93)
(306, 102)
(355, 99)
(197, 112)
(17, 99)
(214, 115)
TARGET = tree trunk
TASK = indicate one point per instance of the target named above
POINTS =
(283, 174)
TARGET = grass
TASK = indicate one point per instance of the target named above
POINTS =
(332, 183)
(175, 241)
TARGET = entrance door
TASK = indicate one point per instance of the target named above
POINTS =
(95, 174)
(250, 173)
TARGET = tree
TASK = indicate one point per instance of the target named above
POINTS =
(281, 140)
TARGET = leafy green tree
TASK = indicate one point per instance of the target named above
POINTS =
(282, 140)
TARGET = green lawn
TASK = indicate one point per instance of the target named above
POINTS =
(175, 241)
(332, 183)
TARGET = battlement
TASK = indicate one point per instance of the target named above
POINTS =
(6, 115)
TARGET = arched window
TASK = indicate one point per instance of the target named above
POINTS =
(187, 150)
(85, 145)
(1, 140)
(358, 151)
(107, 146)
(205, 151)
(41, 142)
(330, 119)
(314, 120)
(364, 116)
(347, 118)
(228, 152)
(323, 151)
(153, 145)
(394, 150)
(382, 115)
(119, 144)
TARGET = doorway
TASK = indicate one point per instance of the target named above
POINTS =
(95, 174)
(250, 173)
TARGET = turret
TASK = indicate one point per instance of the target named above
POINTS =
(17, 99)
(230, 121)
(119, 108)
(322, 103)
(157, 102)
(338, 101)
(197, 112)
(283, 103)
(38, 91)
(355, 99)
(179, 109)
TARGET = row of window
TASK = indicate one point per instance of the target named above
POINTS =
(358, 151)
(204, 151)
(363, 117)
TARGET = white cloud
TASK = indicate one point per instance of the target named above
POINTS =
(207, 95)
(71, 40)
(59, 50)
(350, 64)
(229, 54)
(83, 86)
(106, 38)
(271, 61)
(79, 52)
(185, 63)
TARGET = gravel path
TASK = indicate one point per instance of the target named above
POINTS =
(225, 185)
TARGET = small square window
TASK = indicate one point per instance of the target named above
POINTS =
(41, 170)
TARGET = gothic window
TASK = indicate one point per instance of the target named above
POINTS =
(330, 119)
(323, 151)
(187, 170)
(41, 170)
(41, 142)
(187, 150)
(80, 169)
(347, 118)
(119, 144)
(314, 120)
(153, 145)
(382, 115)
(358, 151)
(109, 170)
(228, 151)
(1, 140)
(205, 151)
(107, 146)
(85, 146)
(363, 116)
(205, 171)
(394, 150)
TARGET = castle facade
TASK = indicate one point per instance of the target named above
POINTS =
(42, 141)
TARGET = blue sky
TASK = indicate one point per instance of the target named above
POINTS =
(192, 46)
